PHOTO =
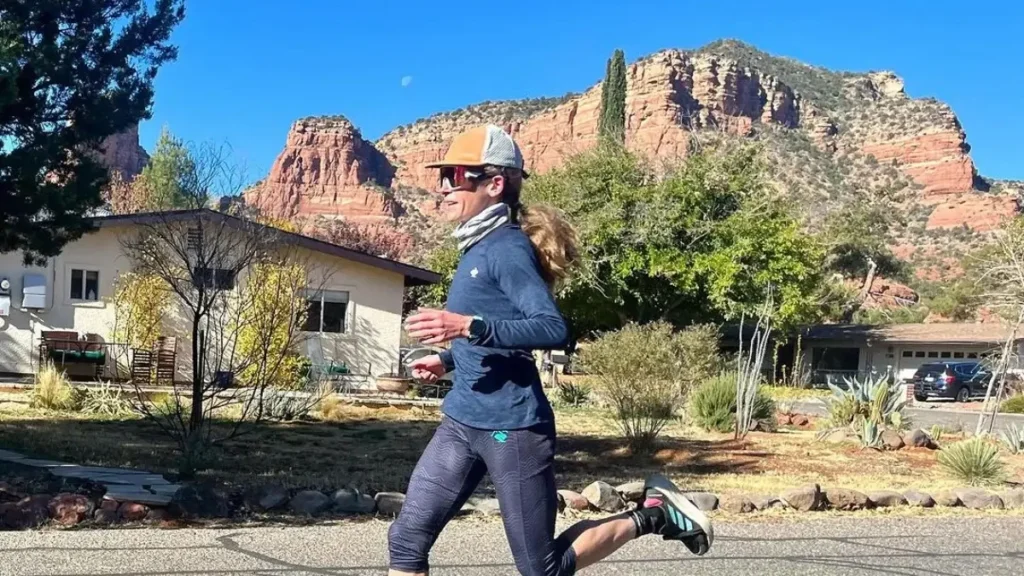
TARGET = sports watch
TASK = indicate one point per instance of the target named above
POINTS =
(476, 327)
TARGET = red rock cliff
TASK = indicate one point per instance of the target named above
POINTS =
(327, 169)
(122, 153)
(668, 94)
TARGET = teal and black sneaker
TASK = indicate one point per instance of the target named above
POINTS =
(683, 520)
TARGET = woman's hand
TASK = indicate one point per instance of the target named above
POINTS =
(428, 368)
(437, 326)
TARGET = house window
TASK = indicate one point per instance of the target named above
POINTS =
(947, 354)
(972, 354)
(194, 237)
(215, 278)
(326, 312)
(919, 354)
(85, 285)
(908, 354)
(933, 354)
(958, 354)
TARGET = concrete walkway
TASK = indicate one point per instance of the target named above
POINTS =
(122, 484)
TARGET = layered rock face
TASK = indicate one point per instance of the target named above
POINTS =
(980, 212)
(327, 169)
(668, 94)
(937, 161)
(123, 154)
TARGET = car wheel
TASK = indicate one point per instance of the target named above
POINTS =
(963, 394)
(920, 398)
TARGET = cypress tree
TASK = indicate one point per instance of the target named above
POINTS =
(612, 121)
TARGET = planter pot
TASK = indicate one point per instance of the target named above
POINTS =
(395, 384)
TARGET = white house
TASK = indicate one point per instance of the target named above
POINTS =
(357, 310)
(844, 349)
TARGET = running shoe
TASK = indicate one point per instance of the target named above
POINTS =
(683, 520)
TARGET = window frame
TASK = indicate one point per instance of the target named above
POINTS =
(83, 283)
(330, 296)
(213, 281)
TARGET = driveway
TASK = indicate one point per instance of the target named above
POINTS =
(927, 414)
(826, 547)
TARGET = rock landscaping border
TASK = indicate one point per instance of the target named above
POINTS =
(39, 492)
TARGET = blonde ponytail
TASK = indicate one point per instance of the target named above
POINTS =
(554, 239)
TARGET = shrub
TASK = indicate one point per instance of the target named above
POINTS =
(974, 461)
(1014, 405)
(106, 401)
(573, 394)
(329, 403)
(53, 391)
(288, 405)
(1013, 438)
(701, 360)
(713, 404)
(638, 371)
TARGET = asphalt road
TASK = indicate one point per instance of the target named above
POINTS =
(835, 546)
(926, 415)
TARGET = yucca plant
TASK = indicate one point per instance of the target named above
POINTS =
(573, 394)
(936, 432)
(106, 401)
(1013, 438)
(974, 461)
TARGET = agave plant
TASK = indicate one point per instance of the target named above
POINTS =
(877, 400)
(870, 434)
(1013, 438)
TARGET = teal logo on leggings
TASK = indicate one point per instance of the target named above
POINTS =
(500, 436)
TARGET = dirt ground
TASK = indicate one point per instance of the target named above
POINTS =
(375, 449)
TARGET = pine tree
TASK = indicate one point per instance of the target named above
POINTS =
(161, 179)
(72, 73)
(612, 122)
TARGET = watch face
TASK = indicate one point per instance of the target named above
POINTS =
(476, 327)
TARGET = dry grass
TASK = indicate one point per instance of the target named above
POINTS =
(377, 448)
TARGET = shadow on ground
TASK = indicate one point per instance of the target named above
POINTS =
(370, 454)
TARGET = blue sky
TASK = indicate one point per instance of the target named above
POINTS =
(247, 69)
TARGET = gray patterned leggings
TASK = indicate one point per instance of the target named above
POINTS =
(521, 466)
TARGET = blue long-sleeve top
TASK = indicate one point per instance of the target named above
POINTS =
(496, 382)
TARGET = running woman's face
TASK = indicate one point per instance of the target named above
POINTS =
(467, 193)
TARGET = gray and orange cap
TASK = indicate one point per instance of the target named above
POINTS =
(486, 145)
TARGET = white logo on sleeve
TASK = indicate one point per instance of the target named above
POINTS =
(474, 272)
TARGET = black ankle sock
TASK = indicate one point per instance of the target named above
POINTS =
(648, 520)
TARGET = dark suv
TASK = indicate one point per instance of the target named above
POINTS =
(958, 380)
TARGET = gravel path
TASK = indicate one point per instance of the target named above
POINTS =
(835, 546)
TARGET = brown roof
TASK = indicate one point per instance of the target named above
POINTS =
(944, 333)
(414, 275)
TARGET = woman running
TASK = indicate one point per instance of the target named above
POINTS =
(497, 419)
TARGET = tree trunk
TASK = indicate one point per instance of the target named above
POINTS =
(999, 374)
(198, 357)
(865, 290)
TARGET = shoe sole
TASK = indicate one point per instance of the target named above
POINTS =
(673, 495)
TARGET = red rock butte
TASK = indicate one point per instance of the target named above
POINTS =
(328, 169)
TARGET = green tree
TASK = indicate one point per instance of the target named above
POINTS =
(702, 243)
(612, 121)
(72, 73)
(161, 179)
(443, 260)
